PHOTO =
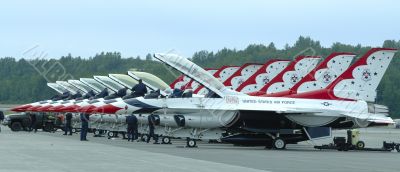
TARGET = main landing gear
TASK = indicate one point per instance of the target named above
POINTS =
(191, 143)
(279, 143)
(166, 140)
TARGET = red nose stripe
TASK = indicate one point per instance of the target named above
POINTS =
(70, 108)
(33, 108)
(108, 109)
(43, 109)
(21, 108)
(86, 109)
(55, 108)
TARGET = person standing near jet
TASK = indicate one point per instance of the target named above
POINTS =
(68, 126)
(139, 89)
(85, 126)
(33, 122)
(102, 94)
(1, 118)
(132, 129)
(152, 123)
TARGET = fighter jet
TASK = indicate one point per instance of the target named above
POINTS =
(298, 67)
(283, 120)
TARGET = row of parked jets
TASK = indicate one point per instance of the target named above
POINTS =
(280, 102)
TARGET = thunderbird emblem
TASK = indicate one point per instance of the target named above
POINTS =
(366, 75)
(327, 77)
(266, 80)
(294, 79)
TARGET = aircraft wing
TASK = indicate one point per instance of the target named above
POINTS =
(371, 117)
(377, 118)
(298, 111)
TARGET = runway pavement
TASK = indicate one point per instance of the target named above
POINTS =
(22, 151)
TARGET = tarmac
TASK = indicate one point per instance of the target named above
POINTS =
(24, 151)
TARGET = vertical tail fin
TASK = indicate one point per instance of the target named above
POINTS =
(193, 84)
(183, 81)
(358, 82)
(241, 74)
(222, 74)
(263, 75)
(292, 74)
(326, 72)
(178, 82)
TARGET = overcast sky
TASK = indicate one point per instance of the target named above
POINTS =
(85, 28)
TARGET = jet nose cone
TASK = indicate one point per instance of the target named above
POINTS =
(108, 109)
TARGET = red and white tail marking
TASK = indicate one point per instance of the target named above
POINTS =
(241, 75)
(359, 81)
(193, 84)
(292, 74)
(331, 68)
(180, 82)
(262, 76)
(222, 74)
(363, 78)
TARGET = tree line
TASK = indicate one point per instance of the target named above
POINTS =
(24, 80)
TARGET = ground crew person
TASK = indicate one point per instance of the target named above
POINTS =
(132, 129)
(139, 89)
(68, 126)
(85, 126)
(1, 118)
(151, 120)
(33, 122)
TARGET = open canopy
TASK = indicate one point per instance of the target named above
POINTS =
(95, 85)
(80, 85)
(195, 72)
(149, 79)
(72, 89)
(113, 85)
(57, 87)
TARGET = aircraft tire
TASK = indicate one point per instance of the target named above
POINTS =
(110, 134)
(191, 143)
(16, 126)
(96, 132)
(166, 140)
(360, 145)
(279, 143)
(144, 137)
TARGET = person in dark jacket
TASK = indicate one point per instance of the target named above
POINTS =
(68, 126)
(122, 92)
(77, 95)
(89, 94)
(140, 89)
(152, 124)
(85, 126)
(102, 94)
(1, 116)
(32, 126)
(132, 129)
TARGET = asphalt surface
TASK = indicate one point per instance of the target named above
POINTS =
(23, 151)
